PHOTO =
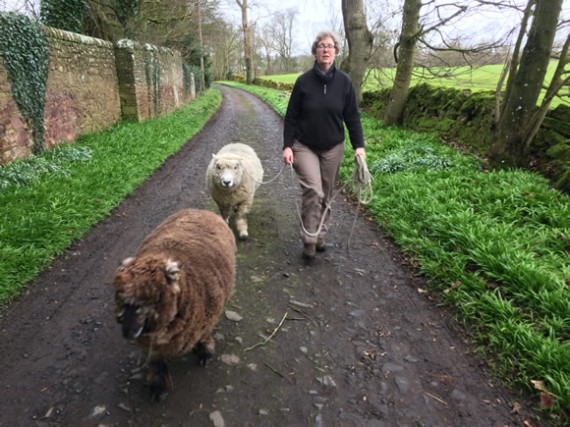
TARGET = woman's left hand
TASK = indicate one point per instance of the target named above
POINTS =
(360, 152)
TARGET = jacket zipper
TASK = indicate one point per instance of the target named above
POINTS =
(325, 89)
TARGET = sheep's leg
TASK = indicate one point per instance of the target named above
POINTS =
(241, 226)
(241, 220)
(225, 213)
(159, 379)
(204, 350)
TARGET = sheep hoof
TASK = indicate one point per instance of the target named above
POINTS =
(243, 236)
(204, 355)
(160, 380)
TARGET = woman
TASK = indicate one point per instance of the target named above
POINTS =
(322, 101)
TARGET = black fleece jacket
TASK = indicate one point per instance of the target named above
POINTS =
(318, 106)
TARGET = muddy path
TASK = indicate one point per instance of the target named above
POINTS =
(348, 341)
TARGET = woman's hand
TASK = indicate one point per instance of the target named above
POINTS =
(360, 152)
(288, 156)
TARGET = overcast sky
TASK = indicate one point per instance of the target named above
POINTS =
(312, 16)
(318, 15)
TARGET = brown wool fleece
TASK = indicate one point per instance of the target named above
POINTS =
(183, 311)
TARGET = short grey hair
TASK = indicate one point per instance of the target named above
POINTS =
(324, 35)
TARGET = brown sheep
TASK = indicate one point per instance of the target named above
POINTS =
(170, 295)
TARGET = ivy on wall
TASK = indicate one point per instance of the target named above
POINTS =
(24, 47)
(66, 15)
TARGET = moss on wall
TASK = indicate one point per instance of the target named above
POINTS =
(467, 118)
(152, 80)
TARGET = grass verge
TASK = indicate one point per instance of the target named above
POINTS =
(48, 202)
(496, 245)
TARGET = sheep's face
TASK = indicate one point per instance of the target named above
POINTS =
(227, 171)
(146, 295)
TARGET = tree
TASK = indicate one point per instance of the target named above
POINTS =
(267, 48)
(431, 34)
(406, 46)
(225, 44)
(143, 21)
(360, 42)
(519, 117)
(201, 39)
(280, 37)
(64, 14)
(247, 42)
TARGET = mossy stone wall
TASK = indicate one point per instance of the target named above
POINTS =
(152, 80)
(467, 118)
(82, 87)
(91, 85)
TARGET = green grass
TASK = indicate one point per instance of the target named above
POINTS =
(48, 202)
(283, 78)
(495, 245)
(479, 79)
(476, 79)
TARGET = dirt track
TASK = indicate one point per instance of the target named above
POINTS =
(358, 346)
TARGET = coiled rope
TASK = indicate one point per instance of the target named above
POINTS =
(364, 190)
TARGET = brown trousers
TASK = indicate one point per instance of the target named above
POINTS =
(317, 171)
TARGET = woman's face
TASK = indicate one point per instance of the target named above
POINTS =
(326, 53)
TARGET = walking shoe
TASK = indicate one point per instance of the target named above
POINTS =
(321, 246)
(309, 251)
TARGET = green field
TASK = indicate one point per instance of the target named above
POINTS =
(475, 79)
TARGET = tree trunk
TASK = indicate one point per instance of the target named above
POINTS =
(405, 52)
(360, 41)
(558, 81)
(515, 61)
(515, 124)
(247, 42)
(201, 40)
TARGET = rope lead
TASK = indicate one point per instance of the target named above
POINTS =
(362, 181)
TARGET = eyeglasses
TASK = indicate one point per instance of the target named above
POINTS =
(325, 46)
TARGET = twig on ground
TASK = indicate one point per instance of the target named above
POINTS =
(277, 372)
(269, 337)
(440, 400)
(302, 313)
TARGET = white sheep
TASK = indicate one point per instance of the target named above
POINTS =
(232, 177)
(169, 296)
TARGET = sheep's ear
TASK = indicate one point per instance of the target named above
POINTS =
(126, 262)
(172, 270)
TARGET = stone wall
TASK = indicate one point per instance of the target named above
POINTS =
(152, 81)
(91, 85)
(82, 93)
(466, 118)
(15, 140)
